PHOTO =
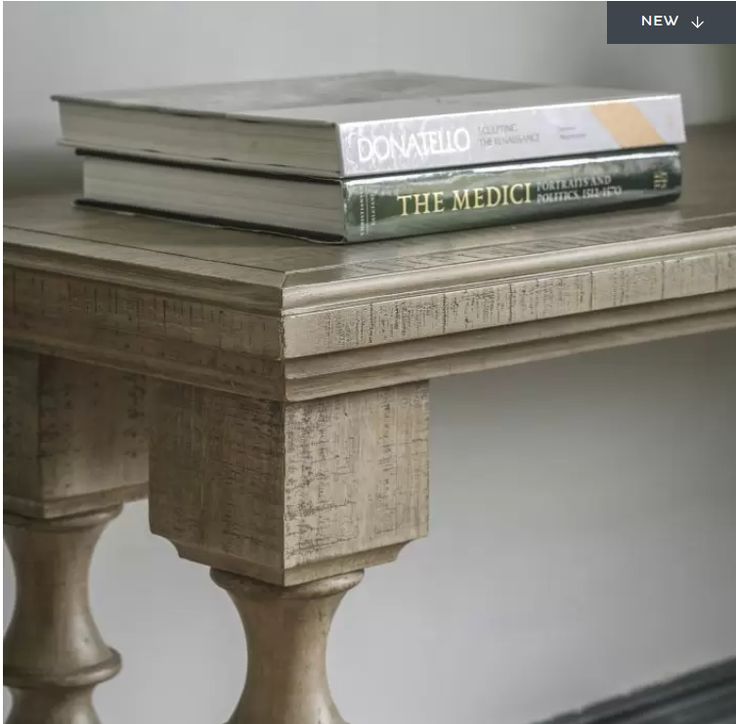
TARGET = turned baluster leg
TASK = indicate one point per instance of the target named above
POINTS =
(76, 448)
(288, 502)
(54, 654)
(286, 630)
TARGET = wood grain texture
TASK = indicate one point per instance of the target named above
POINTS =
(570, 284)
(248, 313)
(75, 436)
(289, 492)
(152, 335)
(424, 359)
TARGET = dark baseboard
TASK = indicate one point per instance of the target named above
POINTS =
(705, 696)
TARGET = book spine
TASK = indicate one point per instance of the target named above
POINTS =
(450, 139)
(448, 200)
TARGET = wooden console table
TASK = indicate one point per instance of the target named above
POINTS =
(271, 397)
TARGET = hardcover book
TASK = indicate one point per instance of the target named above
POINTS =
(382, 207)
(368, 124)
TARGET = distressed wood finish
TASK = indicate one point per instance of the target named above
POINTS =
(76, 448)
(289, 492)
(75, 436)
(288, 380)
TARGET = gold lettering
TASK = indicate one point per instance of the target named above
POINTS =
(490, 192)
(404, 198)
(421, 203)
(505, 189)
(512, 190)
(460, 200)
(439, 201)
(528, 198)
(478, 198)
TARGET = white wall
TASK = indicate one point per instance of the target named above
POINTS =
(583, 521)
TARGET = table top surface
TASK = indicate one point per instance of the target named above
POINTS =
(292, 299)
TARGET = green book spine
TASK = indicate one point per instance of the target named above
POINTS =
(386, 207)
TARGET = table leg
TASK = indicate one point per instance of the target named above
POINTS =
(76, 449)
(286, 630)
(54, 653)
(288, 502)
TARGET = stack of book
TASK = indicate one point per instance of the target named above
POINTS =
(374, 155)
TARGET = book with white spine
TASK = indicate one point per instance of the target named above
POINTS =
(365, 124)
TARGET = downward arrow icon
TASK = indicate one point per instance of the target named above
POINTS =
(697, 22)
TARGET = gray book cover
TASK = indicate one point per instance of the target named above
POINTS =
(388, 122)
